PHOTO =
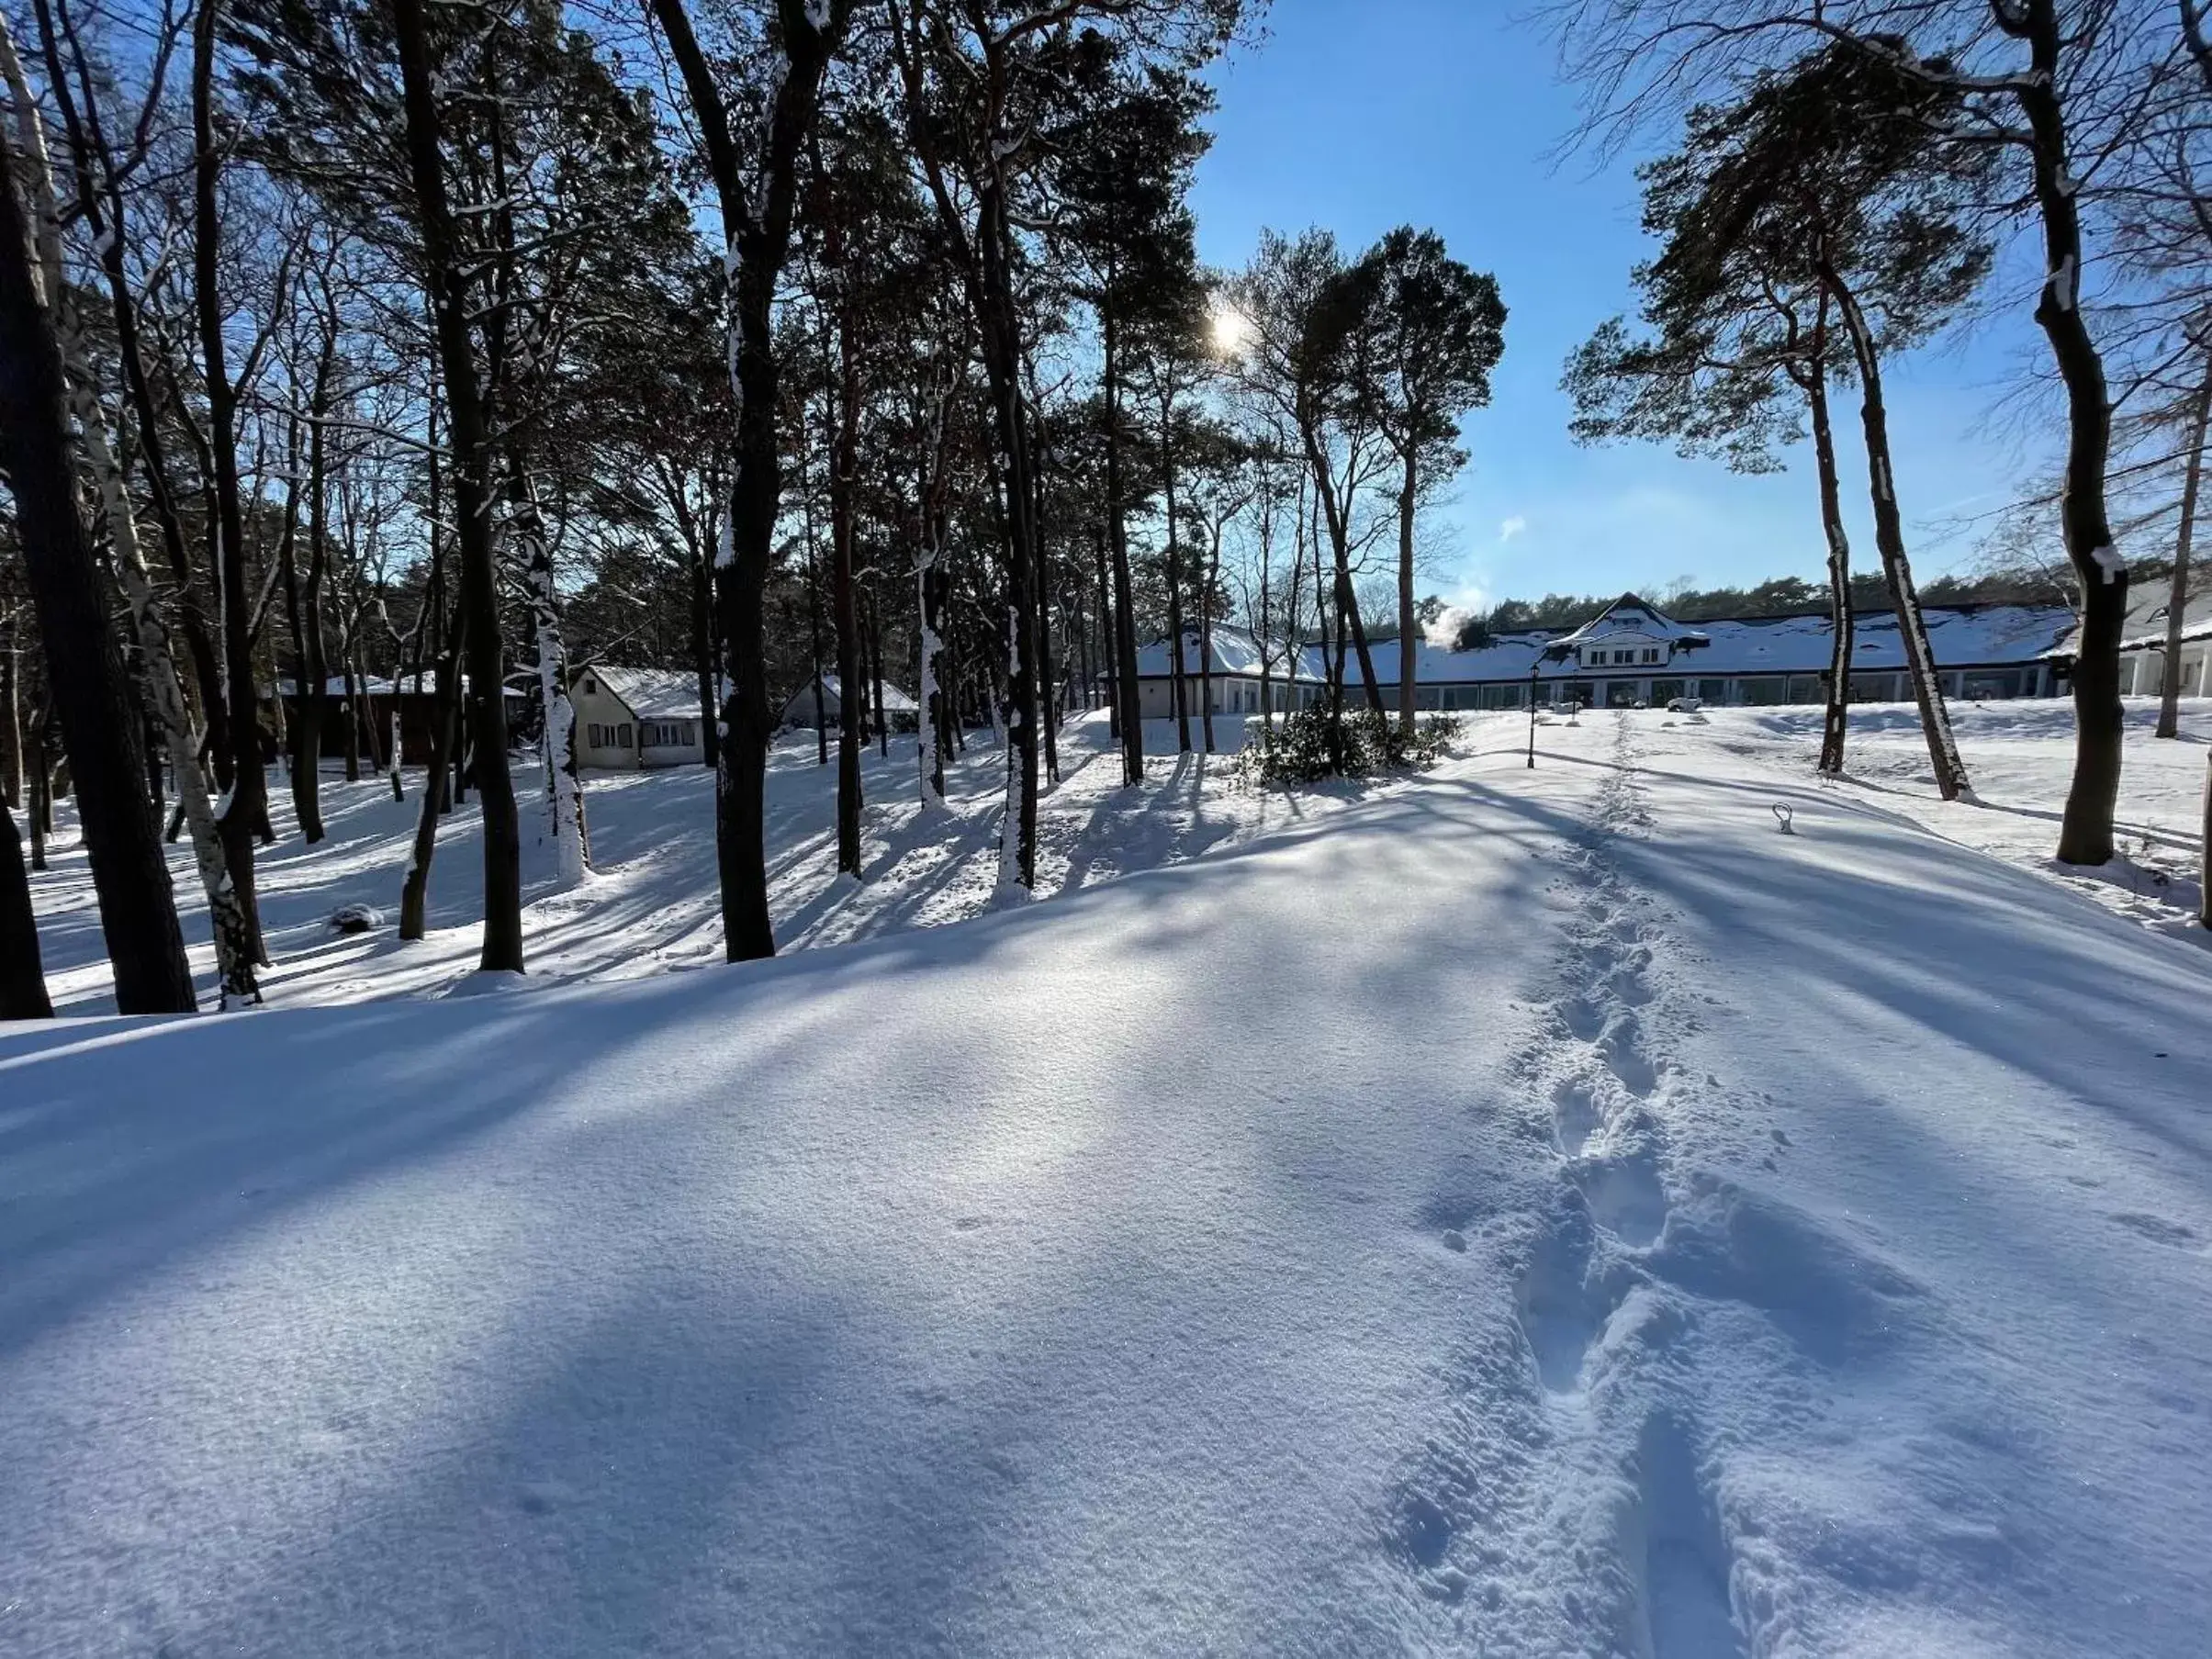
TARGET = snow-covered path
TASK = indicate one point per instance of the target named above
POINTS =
(1531, 1213)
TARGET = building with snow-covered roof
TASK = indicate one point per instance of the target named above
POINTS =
(2143, 640)
(627, 719)
(1633, 653)
(899, 710)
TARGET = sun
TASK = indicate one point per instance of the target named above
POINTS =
(1229, 330)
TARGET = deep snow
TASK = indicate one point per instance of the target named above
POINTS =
(653, 905)
(1526, 1213)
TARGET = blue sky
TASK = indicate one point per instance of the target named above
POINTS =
(1359, 115)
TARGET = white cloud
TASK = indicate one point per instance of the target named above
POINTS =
(1510, 528)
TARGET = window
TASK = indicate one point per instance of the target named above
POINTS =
(1625, 656)
(597, 736)
(1652, 656)
(621, 735)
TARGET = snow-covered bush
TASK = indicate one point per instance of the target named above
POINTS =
(1301, 752)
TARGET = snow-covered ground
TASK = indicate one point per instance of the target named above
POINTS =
(653, 905)
(1530, 1212)
(2020, 759)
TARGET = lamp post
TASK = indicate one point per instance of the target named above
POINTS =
(1535, 672)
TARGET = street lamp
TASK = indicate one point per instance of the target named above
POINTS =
(1535, 674)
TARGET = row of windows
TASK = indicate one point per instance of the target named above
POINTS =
(1241, 697)
(656, 735)
(1600, 657)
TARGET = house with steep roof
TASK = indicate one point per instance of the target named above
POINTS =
(628, 719)
(899, 710)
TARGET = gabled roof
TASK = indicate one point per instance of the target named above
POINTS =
(895, 701)
(1629, 614)
(650, 693)
(2146, 624)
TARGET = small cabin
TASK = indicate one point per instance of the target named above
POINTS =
(899, 710)
(628, 720)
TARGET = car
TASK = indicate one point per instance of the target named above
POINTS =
(1684, 705)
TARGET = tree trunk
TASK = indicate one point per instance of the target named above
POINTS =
(561, 785)
(232, 928)
(2085, 833)
(502, 950)
(1210, 574)
(22, 975)
(1048, 689)
(852, 694)
(41, 803)
(311, 672)
(349, 698)
(934, 719)
(1888, 538)
(102, 203)
(1406, 653)
(1835, 727)
(303, 739)
(1109, 660)
(1335, 516)
(2177, 601)
(1001, 331)
(11, 722)
(1130, 708)
(1179, 687)
(702, 653)
(246, 805)
(875, 666)
(755, 245)
(414, 887)
(100, 725)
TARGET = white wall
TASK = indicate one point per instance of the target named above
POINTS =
(602, 709)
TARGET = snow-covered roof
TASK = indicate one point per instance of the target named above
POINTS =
(650, 693)
(1235, 651)
(1968, 636)
(1964, 636)
(2146, 624)
(1629, 614)
(895, 701)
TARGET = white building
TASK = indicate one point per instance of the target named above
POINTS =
(899, 710)
(1633, 653)
(2143, 642)
(627, 719)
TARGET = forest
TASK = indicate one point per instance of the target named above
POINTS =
(455, 345)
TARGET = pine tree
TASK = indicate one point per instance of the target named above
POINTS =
(758, 191)
(1441, 331)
